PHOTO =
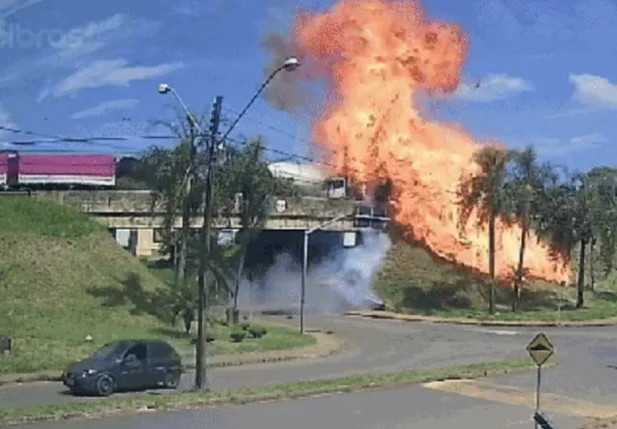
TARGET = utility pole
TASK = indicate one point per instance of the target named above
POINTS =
(201, 382)
(186, 206)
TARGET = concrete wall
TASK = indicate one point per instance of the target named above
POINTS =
(141, 202)
(134, 210)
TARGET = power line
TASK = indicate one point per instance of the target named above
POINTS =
(285, 133)
(99, 142)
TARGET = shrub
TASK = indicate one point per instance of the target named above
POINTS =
(209, 338)
(245, 326)
(237, 335)
(257, 331)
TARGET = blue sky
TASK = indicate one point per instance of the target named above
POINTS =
(546, 69)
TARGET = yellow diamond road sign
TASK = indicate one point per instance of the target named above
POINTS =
(540, 349)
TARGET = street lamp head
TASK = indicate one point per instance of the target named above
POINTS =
(291, 64)
(164, 88)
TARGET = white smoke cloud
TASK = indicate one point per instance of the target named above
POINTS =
(341, 282)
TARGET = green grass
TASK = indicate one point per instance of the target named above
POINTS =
(37, 217)
(277, 338)
(414, 281)
(63, 277)
(178, 400)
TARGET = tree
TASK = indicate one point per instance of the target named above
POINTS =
(486, 195)
(245, 173)
(171, 174)
(603, 181)
(567, 221)
(526, 186)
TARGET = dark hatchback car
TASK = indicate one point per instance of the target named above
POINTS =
(125, 366)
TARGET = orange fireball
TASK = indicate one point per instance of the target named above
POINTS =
(381, 58)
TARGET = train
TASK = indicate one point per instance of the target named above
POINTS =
(19, 171)
(31, 172)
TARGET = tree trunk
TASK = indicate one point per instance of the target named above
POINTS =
(580, 298)
(184, 237)
(491, 263)
(182, 257)
(592, 257)
(518, 281)
(238, 278)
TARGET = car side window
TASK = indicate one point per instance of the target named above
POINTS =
(160, 351)
(139, 351)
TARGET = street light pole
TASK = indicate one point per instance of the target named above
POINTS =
(214, 143)
(290, 64)
(165, 89)
(305, 256)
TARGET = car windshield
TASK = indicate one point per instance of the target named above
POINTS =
(109, 351)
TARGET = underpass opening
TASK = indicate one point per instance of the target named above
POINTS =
(339, 278)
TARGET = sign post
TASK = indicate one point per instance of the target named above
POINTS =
(540, 349)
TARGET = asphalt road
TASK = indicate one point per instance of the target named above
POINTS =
(584, 386)
(409, 408)
(377, 346)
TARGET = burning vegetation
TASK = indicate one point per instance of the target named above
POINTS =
(381, 59)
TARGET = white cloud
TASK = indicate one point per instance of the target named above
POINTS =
(59, 49)
(111, 73)
(103, 108)
(492, 88)
(587, 140)
(557, 147)
(568, 113)
(196, 8)
(10, 7)
(594, 91)
(89, 38)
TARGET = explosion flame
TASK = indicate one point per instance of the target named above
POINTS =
(382, 59)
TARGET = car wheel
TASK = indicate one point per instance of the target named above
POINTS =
(104, 385)
(172, 380)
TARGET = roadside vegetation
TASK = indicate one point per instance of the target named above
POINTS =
(575, 213)
(64, 279)
(180, 400)
(244, 188)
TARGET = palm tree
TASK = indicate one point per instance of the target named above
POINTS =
(171, 174)
(604, 219)
(246, 173)
(567, 221)
(486, 195)
(526, 186)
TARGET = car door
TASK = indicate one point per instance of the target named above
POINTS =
(133, 368)
(157, 363)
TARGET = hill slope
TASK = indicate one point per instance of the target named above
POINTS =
(56, 269)
(414, 280)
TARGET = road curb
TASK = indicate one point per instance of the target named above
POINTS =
(326, 345)
(475, 322)
(88, 410)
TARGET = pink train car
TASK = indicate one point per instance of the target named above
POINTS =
(66, 170)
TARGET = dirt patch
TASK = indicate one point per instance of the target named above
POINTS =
(557, 404)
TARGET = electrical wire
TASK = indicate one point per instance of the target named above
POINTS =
(96, 141)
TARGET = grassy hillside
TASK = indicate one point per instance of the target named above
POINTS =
(63, 277)
(413, 280)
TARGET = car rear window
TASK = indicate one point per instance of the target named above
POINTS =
(161, 350)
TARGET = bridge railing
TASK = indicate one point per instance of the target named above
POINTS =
(371, 217)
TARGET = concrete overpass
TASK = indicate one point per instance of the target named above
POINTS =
(137, 223)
